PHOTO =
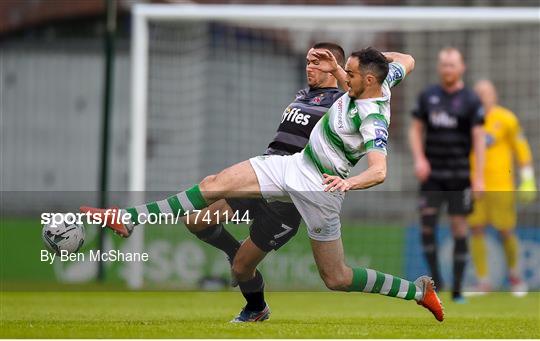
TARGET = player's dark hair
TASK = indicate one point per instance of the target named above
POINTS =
(373, 61)
(335, 49)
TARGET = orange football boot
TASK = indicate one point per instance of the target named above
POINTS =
(429, 299)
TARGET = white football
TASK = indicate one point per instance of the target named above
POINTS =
(63, 236)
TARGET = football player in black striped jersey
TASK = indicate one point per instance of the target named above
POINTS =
(275, 223)
(446, 128)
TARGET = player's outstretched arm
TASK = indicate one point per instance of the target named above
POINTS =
(404, 59)
(373, 175)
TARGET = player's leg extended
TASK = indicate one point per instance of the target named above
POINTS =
(459, 231)
(237, 181)
(329, 257)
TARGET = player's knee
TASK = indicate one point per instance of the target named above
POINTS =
(221, 183)
(460, 232)
(210, 187)
(241, 270)
(505, 234)
(428, 221)
(208, 181)
(336, 283)
(429, 211)
(459, 227)
(335, 280)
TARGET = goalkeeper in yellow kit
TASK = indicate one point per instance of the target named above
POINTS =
(504, 143)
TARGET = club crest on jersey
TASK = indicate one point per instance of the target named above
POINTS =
(490, 140)
(353, 112)
(316, 100)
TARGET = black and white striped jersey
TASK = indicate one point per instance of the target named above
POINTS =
(300, 117)
(449, 119)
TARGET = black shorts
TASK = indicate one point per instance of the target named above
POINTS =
(273, 223)
(455, 192)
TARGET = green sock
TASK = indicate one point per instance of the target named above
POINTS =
(372, 281)
(177, 204)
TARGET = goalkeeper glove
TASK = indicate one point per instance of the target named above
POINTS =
(527, 188)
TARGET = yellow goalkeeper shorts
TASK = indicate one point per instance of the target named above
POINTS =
(496, 209)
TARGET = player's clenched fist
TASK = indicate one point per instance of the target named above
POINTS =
(335, 183)
(422, 169)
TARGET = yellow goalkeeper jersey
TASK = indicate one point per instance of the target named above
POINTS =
(504, 141)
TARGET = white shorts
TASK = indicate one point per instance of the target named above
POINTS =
(294, 177)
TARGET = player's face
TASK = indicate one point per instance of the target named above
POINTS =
(450, 67)
(314, 77)
(355, 79)
(486, 92)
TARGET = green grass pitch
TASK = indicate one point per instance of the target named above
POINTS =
(294, 315)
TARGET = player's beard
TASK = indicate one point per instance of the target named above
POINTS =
(316, 82)
(361, 89)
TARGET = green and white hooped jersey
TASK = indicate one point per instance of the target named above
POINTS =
(351, 128)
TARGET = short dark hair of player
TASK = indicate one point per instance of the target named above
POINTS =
(371, 60)
(335, 49)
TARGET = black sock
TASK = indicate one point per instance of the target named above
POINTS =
(253, 291)
(220, 238)
(429, 245)
(460, 260)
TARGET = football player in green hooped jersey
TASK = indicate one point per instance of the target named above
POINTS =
(316, 179)
(273, 223)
